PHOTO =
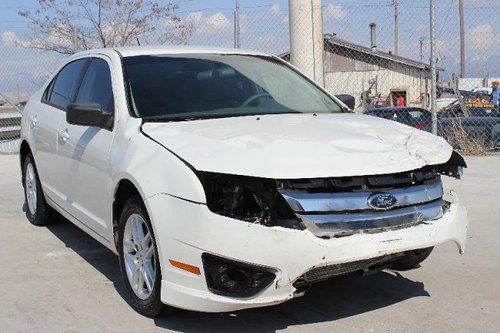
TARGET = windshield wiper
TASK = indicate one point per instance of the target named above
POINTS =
(171, 118)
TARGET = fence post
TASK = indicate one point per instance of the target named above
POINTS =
(433, 64)
(236, 31)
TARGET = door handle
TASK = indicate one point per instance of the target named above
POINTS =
(64, 135)
(33, 121)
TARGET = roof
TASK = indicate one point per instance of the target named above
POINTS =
(130, 51)
(376, 53)
(335, 41)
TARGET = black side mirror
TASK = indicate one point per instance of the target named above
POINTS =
(89, 114)
(348, 100)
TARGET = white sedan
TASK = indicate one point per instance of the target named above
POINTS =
(225, 179)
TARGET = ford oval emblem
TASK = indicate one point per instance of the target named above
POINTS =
(382, 201)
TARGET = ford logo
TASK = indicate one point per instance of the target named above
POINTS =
(382, 201)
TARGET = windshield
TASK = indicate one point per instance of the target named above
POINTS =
(193, 86)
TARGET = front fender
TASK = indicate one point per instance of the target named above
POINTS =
(154, 170)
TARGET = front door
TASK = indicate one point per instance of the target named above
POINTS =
(44, 121)
(86, 152)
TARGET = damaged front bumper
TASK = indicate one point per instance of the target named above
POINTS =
(194, 230)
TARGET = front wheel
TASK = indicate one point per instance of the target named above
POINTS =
(139, 261)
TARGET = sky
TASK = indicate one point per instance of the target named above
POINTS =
(264, 26)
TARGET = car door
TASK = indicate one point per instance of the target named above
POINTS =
(85, 154)
(44, 120)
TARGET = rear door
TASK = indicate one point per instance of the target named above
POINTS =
(85, 165)
(44, 120)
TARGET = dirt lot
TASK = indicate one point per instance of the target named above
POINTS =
(58, 279)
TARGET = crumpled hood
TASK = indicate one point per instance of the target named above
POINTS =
(292, 146)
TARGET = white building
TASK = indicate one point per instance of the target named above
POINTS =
(365, 71)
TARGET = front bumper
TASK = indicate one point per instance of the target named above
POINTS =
(185, 230)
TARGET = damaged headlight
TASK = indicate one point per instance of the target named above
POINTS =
(249, 199)
(453, 167)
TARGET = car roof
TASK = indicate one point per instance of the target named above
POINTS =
(131, 51)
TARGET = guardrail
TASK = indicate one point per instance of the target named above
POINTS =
(10, 129)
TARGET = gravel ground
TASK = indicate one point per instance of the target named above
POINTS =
(58, 279)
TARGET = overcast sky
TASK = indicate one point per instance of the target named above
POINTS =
(265, 27)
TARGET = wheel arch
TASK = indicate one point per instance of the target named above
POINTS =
(124, 189)
(24, 150)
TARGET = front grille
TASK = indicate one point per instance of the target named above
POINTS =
(338, 211)
(359, 183)
(322, 273)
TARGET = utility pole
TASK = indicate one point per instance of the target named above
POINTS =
(433, 65)
(237, 43)
(396, 31)
(421, 40)
(462, 38)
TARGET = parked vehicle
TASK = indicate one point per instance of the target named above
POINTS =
(483, 90)
(21, 104)
(225, 179)
(412, 116)
(479, 124)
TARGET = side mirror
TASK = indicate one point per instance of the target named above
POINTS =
(348, 100)
(89, 114)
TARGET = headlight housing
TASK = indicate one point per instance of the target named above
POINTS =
(250, 199)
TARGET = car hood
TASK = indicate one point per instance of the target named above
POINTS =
(292, 146)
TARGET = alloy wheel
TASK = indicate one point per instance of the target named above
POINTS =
(30, 186)
(139, 256)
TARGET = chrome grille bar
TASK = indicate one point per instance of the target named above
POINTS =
(342, 214)
(343, 224)
(345, 201)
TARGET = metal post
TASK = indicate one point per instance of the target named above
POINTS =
(462, 38)
(433, 65)
(237, 43)
(396, 28)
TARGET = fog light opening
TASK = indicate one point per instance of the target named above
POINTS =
(230, 278)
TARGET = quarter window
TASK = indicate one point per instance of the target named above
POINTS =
(96, 85)
(63, 88)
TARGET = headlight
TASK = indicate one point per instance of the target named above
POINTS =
(249, 199)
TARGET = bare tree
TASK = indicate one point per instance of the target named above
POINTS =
(68, 26)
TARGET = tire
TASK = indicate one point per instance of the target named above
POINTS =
(138, 258)
(37, 210)
(412, 259)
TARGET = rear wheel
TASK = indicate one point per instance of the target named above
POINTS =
(139, 261)
(412, 259)
(37, 210)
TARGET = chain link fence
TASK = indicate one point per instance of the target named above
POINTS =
(377, 51)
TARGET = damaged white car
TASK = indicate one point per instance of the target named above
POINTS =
(225, 179)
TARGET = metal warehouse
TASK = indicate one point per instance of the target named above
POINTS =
(369, 74)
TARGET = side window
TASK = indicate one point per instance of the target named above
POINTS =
(96, 85)
(63, 88)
